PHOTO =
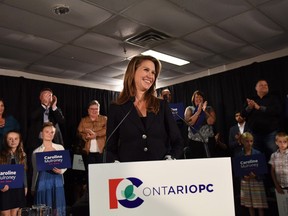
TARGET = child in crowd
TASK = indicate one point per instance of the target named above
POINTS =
(279, 163)
(48, 186)
(11, 199)
(252, 188)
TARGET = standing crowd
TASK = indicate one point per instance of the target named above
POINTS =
(141, 127)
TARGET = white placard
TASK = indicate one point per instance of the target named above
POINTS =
(78, 163)
(197, 187)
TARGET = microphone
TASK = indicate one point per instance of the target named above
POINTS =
(132, 99)
(207, 151)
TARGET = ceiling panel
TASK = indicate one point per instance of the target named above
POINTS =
(251, 26)
(107, 45)
(27, 41)
(277, 10)
(120, 28)
(214, 11)
(37, 25)
(214, 39)
(81, 14)
(169, 19)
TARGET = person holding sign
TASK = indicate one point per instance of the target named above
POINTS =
(48, 186)
(11, 199)
(252, 188)
(200, 117)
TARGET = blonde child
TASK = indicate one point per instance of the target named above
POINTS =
(279, 163)
(252, 188)
(12, 153)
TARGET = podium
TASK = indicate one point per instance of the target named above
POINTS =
(197, 187)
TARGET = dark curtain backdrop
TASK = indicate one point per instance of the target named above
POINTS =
(225, 92)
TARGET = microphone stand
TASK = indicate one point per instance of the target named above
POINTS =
(207, 151)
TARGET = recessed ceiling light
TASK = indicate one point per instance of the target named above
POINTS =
(166, 58)
(61, 9)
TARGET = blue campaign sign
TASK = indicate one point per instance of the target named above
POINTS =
(49, 160)
(243, 165)
(12, 175)
(177, 110)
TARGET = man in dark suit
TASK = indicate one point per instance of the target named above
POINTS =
(235, 132)
(46, 112)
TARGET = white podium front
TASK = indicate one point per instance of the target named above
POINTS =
(195, 187)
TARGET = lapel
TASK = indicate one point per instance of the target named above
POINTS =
(135, 118)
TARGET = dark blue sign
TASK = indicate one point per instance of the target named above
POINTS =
(177, 110)
(49, 160)
(243, 165)
(12, 175)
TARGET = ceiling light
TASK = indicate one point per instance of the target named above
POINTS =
(61, 9)
(166, 58)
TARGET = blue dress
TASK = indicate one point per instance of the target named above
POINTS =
(50, 191)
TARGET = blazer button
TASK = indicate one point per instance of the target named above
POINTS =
(145, 149)
(144, 136)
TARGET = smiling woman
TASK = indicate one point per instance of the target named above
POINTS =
(140, 126)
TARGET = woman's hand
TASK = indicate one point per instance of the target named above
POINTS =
(5, 188)
(57, 171)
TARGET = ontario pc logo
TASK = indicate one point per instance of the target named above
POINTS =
(122, 191)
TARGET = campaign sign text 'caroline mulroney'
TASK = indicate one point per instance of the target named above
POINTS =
(49, 160)
(243, 165)
(12, 175)
(196, 187)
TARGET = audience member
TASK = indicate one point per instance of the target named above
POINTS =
(11, 199)
(252, 188)
(92, 131)
(235, 132)
(200, 119)
(262, 113)
(279, 163)
(140, 126)
(166, 95)
(220, 149)
(46, 112)
(48, 186)
(7, 123)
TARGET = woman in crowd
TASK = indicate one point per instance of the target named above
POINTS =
(48, 186)
(7, 122)
(92, 130)
(11, 199)
(200, 119)
(140, 126)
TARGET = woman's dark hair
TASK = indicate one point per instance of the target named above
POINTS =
(20, 154)
(197, 92)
